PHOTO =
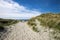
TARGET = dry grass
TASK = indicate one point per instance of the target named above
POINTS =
(47, 20)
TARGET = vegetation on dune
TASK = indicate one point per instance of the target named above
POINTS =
(50, 20)
(7, 22)
(35, 29)
(32, 24)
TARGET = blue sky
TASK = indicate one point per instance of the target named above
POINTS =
(25, 9)
(41, 5)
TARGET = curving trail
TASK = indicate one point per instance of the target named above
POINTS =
(21, 31)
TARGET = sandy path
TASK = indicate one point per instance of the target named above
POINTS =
(21, 31)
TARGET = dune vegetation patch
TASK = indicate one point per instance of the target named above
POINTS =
(32, 24)
(6, 22)
(51, 20)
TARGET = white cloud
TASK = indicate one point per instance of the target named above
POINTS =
(11, 9)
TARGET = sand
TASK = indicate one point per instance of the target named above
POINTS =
(22, 31)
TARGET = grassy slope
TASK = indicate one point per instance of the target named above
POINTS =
(47, 20)
(7, 22)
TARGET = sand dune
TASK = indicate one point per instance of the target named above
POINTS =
(21, 31)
